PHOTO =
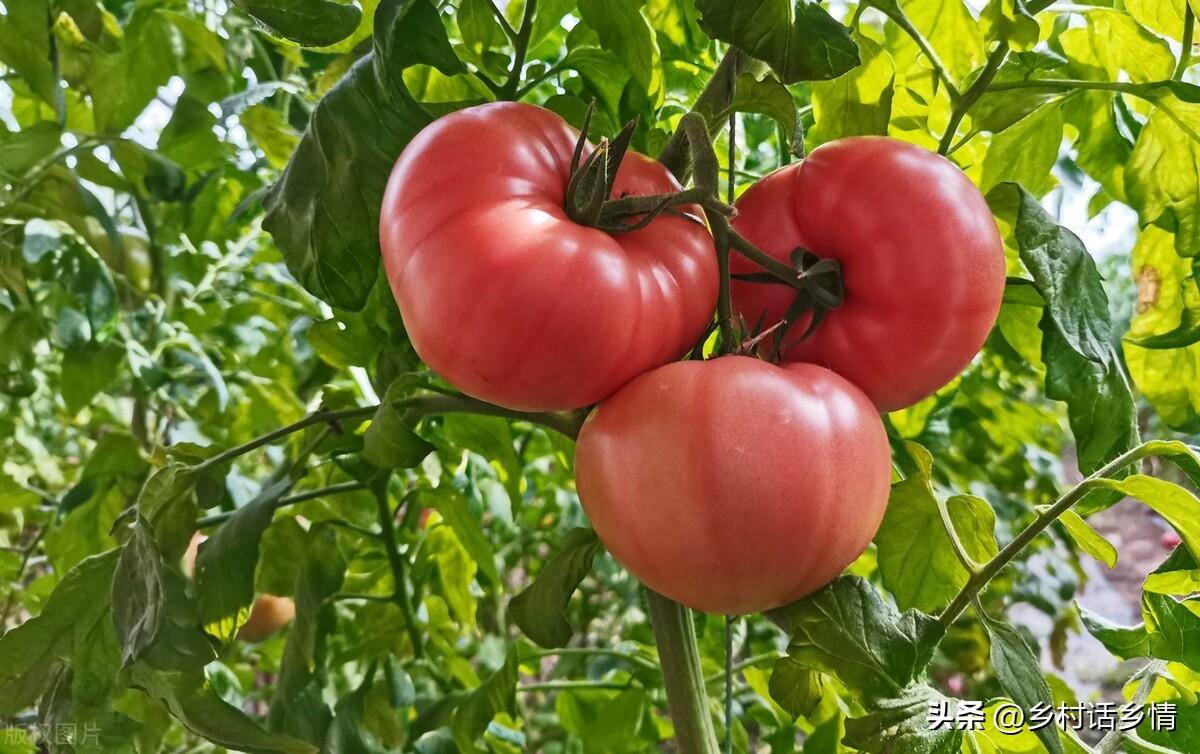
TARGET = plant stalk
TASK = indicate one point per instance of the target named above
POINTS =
(972, 95)
(680, 660)
(387, 525)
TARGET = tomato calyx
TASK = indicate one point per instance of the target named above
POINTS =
(819, 289)
(590, 187)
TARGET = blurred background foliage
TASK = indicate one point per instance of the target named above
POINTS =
(148, 321)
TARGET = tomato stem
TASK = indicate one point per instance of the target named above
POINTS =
(680, 660)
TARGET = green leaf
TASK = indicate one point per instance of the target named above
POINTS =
(389, 443)
(1179, 583)
(1113, 42)
(952, 31)
(1026, 152)
(496, 694)
(87, 372)
(626, 33)
(1173, 628)
(1184, 735)
(456, 572)
(1163, 364)
(1020, 675)
(313, 23)
(1081, 366)
(298, 707)
(605, 723)
(194, 702)
(1010, 21)
(25, 47)
(1123, 642)
(1162, 179)
(138, 599)
(455, 511)
(846, 630)
(21, 150)
(540, 609)
(324, 210)
(765, 96)
(226, 564)
(795, 688)
(857, 103)
(492, 438)
(900, 725)
(480, 29)
(916, 556)
(349, 733)
(1179, 507)
(800, 43)
(1088, 539)
(273, 135)
(124, 82)
(167, 502)
(1163, 17)
(30, 652)
(997, 110)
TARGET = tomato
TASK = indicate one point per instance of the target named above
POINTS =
(506, 297)
(922, 263)
(269, 614)
(734, 485)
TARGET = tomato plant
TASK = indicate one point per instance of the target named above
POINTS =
(216, 316)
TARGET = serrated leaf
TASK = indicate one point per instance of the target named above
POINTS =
(1178, 506)
(846, 630)
(540, 610)
(324, 210)
(765, 96)
(626, 33)
(496, 694)
(1081, 367)
(1026, 152)
(313, 23)
(389, 442)
(800, 42)
(1163, 180)
(1088, 539)
(226, 564)
(795, 688)
(857, 103)
(900, 725)
(916, 556)
(1125, 642)
(30, 652)
(455, 511)
(138, 594)
(1020, 675)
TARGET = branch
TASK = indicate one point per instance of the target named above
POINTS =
(972, 95)
(680, 660)
(509, 31)
(897, 16)
(300, 497)
(387, 525)
(1112, 740)
(528, 688)
(521, 49)
(988, 571)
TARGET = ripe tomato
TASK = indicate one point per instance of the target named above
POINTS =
(733, 485)
(504, 295)
(922, 263)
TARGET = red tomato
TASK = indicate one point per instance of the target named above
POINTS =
(733, 485)
(505, 296)
(922, 263)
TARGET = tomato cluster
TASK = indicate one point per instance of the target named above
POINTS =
(732, 485)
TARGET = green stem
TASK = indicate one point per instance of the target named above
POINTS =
(300, 497)
(509, 31)
(564, 423)
(528, 688)
(897, 16)
(747, 663)
(714, 100)
(680, 660)
(593, 652)
(387, 525)
(1189, 29)
(1111, 742)
(988, 571)
(972, 95)
(521, 49)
